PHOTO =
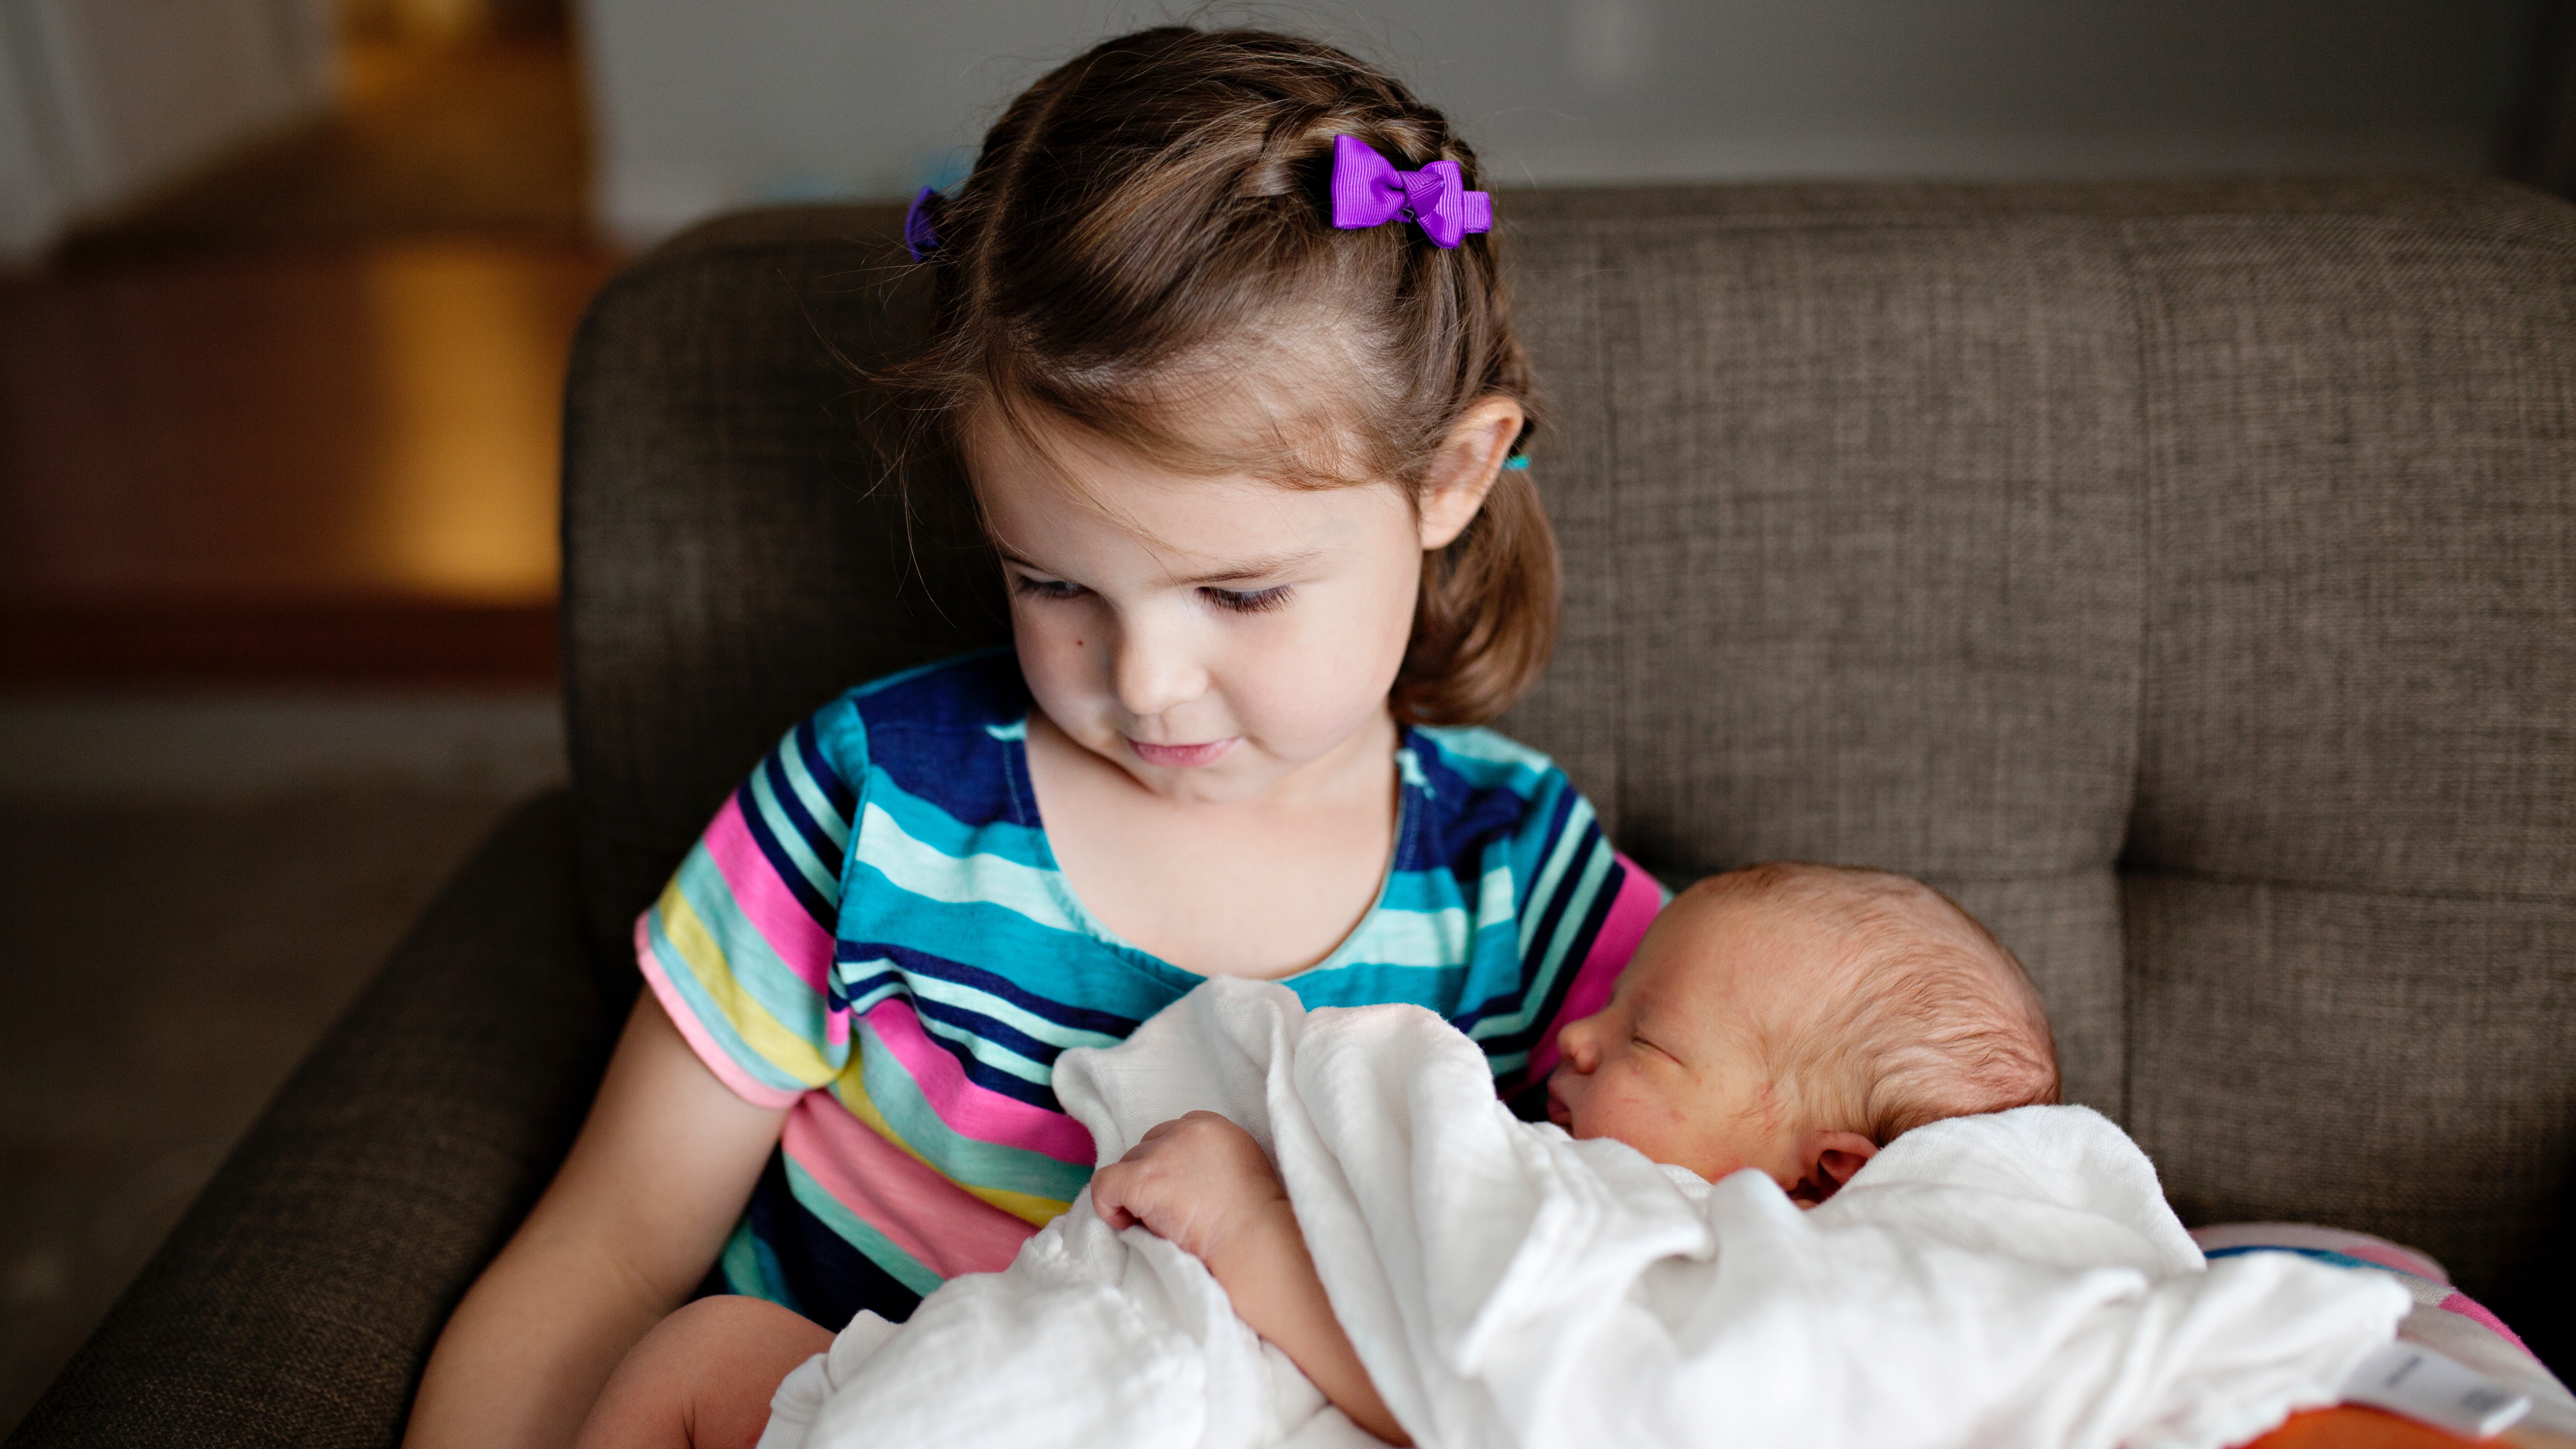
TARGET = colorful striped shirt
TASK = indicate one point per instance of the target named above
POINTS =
(874, 934)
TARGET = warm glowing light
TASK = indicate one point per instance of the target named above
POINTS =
(379, 422)
(470, 352)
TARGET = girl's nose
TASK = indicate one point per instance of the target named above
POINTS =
(1155, 669)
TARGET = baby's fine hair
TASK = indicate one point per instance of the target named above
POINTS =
(1147, 227)
(1927, 1016)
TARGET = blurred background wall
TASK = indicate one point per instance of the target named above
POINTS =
(280, 359)
(700, 105)
(102, 100)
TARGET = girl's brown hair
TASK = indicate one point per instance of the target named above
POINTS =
(1147, 225)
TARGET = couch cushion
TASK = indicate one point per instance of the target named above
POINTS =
(735, 554)
(2352, 901)
(1851, 508)
(2391, 1062)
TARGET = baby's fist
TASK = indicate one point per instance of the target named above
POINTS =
(1193, 1181)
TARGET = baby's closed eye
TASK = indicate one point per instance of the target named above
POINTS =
(1646, 1046)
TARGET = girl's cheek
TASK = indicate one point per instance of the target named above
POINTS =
(1318, 690)
(1055, 654)
(1350, 653)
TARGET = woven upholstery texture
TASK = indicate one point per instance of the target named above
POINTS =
(297, 1300)
(734, 553)
(2353, 854)
(1852, 573)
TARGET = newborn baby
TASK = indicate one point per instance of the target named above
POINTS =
(1787, 1019)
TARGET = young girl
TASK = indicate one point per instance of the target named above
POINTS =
(1225, 350)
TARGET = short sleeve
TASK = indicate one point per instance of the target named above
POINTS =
(1558, 910)
(1583, 908)
(1619, 908)
(739, 947)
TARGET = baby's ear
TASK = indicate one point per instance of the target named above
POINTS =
(1827, 1160)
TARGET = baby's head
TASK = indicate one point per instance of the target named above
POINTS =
(1245, 467)
(1795, 1019)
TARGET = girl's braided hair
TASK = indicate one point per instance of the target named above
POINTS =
(1146, 227)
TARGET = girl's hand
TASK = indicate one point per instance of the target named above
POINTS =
(1198, 1182)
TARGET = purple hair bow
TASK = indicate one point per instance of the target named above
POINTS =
(920, 229)
(1369, 191)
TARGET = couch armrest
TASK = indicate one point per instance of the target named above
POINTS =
(297, 1300)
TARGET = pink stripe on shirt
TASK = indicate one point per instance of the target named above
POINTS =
(746, 1086)
(1631, 912)
(765, 900)
(945, 1228)
(2478, 1313)
(970, 1110)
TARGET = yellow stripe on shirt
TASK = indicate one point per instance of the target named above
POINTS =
(699, 950)
(1027, 1207)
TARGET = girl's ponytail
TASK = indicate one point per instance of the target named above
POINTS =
(1487, 617)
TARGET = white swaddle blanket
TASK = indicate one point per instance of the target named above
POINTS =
(2003, 1281)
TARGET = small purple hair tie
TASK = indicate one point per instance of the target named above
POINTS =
(920, 233)
(1368, 191)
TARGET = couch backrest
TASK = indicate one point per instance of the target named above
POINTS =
(2184, 576)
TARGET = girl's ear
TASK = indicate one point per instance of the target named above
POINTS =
(1464, 472)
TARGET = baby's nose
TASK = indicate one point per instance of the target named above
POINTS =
(1579, 1044)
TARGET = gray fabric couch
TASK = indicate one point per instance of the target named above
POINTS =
(2183, 575)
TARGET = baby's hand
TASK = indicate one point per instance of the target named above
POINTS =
(1194, 1182)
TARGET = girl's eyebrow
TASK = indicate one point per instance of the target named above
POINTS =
(1254, 568)
(1236, 572)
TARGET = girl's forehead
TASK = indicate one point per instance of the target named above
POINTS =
(1269, 407)
(1065, 490)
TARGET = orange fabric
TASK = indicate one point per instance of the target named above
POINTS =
(2349, 1426)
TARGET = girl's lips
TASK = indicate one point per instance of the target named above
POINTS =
(1182, 757)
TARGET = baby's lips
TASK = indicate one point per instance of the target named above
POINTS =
(1557, 1111)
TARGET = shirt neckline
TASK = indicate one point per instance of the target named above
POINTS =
(1016, 760)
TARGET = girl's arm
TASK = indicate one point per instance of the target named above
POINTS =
(638, 1211)
(1202, 1183)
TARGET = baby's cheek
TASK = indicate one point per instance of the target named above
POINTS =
(1652, 1122)
(1608, 1107)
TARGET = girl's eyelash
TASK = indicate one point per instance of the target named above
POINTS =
(1239, 601)
(1257, 601)
(1043, 588)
